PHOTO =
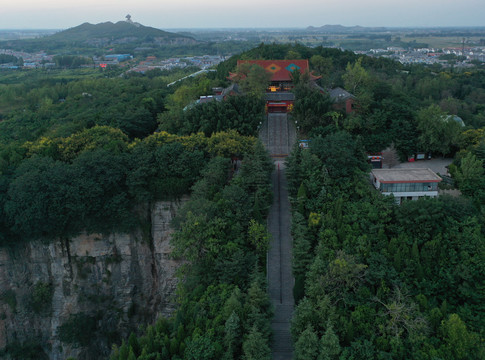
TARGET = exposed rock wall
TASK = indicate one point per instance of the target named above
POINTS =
(113, 283)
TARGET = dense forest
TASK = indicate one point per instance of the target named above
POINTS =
(375, 280)
(224, 310)
(80, 149)
(79, 152)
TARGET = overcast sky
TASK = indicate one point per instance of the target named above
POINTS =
(166, 14)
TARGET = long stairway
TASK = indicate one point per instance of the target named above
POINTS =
(278, 135)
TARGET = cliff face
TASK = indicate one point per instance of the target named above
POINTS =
(76, 297)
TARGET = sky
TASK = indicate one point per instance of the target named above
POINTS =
(170, 14)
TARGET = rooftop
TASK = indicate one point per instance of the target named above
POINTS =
(339, 94)
(405, 175)
(280, 69)
(232, 88)
(279, 96)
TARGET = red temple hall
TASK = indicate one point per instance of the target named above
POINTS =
(281, 72)
(278, 96)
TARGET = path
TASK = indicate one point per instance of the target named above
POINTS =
(191, 75)
(278, 135)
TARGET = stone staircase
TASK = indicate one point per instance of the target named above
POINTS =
(280, 278)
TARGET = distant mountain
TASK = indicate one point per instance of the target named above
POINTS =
(123, 35)
(340, 29)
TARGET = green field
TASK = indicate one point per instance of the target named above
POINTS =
(445, 42)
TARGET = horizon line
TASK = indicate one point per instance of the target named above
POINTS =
(268, 27)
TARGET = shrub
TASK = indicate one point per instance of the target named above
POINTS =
(41, 298)
(78, 330)
(10, 298)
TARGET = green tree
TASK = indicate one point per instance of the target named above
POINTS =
(255, 346)
(253, 78)
(461, 343)
(200, 347)
(305, 316)
(232, 337)
(98, 137)
(258, 306)
(307, 346)
(470, 175)
(42, 199)
(323, 66)
(311, 108)
(438, 132)
(340, 153)
(259, 238)
(329, 344)
(356, 78)
(302, 254)
(293, 55)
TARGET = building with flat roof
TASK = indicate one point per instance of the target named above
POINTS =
(406, 184)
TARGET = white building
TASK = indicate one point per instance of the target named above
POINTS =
(406, 184)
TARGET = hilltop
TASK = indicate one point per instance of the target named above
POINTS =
(107, 34)
(120, 32)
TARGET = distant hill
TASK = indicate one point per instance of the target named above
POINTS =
(340, 29)
(123, 34)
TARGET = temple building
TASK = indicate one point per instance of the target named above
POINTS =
(278, 96)
(342, 99)
(281, 70)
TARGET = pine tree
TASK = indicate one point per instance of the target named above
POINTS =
(301, 198)
(131, 356)
(293, 169)
(115, 353)
(233, 304)
(398, 260)
(255, 347)
(302, 254)
(232, 335)
(133, 343)
(459, 341)
(258, 306)
(415, 252)
(124, 351)
(329, 345)
(307, 346)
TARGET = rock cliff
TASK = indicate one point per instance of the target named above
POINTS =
(75, 297)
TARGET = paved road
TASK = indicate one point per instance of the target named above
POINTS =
(278, 134)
